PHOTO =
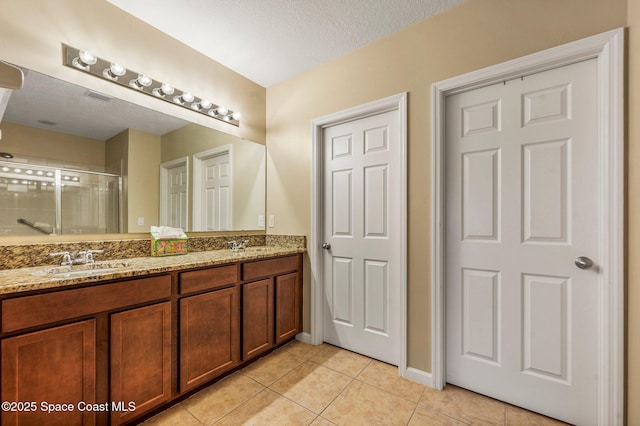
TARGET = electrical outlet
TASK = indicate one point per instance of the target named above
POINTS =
(140, 221)
(272, 221)
(261, 221)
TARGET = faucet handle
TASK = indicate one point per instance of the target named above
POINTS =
(89, 255)
(66, 257)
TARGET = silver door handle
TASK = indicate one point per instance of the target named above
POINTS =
(326, 246)
(584, 262)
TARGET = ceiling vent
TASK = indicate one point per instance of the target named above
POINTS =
(98, 96)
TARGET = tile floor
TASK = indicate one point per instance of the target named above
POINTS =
(301, 384)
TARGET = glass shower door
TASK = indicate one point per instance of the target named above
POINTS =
(37, 199)
(89, 203)
(27, 200)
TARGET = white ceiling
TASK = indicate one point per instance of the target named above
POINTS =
(269, 41)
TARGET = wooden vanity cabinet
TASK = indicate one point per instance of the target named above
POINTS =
(98, 344)
(140, 343)
(209, 325)
(271, 311)
(140, 360)
(257, 318)
(288, 320)
(55, 366)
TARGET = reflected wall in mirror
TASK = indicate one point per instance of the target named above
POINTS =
(51, 125)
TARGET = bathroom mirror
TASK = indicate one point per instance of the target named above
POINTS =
(89, 164)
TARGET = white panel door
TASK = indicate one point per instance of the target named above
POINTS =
(175, 194)
(362, 226)
(216, 193)
(521, 208)
(177, 197)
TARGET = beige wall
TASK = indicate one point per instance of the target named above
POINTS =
(139, 155)
(476, 34)
(59, 148)
(633, 215)
(143, 186)
(32, 32)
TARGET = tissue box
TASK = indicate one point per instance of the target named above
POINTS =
(169, 247)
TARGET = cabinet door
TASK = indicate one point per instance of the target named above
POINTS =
(287, 307)
(56, 366)
(209, 336)
(257, 317)
(140, 360)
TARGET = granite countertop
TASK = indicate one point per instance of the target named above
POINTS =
(37, 278)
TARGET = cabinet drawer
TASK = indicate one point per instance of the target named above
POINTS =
(265, 268)
(206, 279)
(31, 311)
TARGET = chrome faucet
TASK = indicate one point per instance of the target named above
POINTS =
(88, 257)
(238, 245)
(81, 257)
(66, 257)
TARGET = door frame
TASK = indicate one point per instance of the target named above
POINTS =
(198, 159)
(164, 181)
(608, 50)
(316, 253)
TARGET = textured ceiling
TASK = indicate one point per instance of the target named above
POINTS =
(269, 41)
(48, 103)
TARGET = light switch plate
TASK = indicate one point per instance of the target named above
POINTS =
(261, 221)
(140, 221)
(272, 221)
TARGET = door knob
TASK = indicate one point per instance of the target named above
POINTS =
(326, 246)
(584, 262)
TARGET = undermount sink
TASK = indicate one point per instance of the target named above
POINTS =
(251, 250)
(84, 270)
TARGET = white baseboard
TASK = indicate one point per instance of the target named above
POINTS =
(419, 376)
(304, 337)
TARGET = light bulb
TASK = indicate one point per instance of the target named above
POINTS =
(184, 98)
(221, 110)
(203, 104)
(39, 172)
(163, 90)
(84, 60)
(236, 116)
(114, 71)
(5, 169)
(141, 82)
(87, 57)
(17, 170)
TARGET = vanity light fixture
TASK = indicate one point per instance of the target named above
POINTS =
(114, 72)
(203, 104)
(84, 60)
(184, 98)
(163, 90)
(141, 82)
